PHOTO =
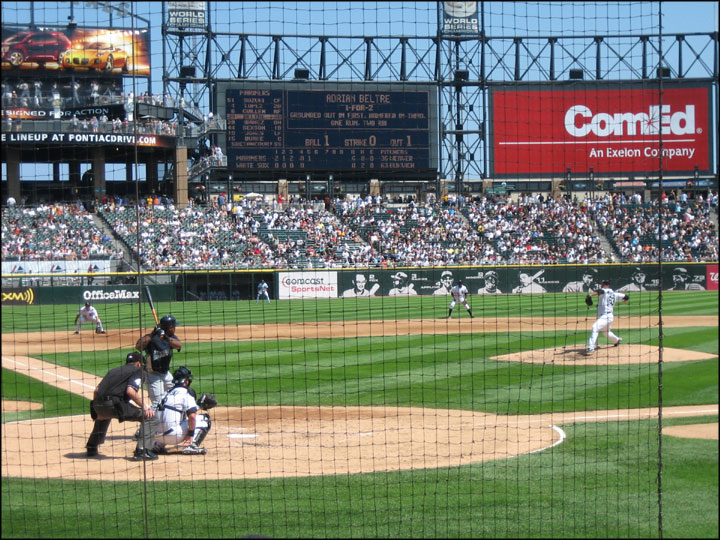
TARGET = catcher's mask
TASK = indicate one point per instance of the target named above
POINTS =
(182, 374)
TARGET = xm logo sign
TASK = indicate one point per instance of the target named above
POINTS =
(26, 297)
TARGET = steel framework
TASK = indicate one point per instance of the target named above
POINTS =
(462, 68)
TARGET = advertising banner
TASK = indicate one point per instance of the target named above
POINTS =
(613, 131)
(308, 284)
(712, 277)
(41, 99)
(99, 52)
(10, 268)
(186, 14)
(87, 139)
(28, 296)
(460, 18)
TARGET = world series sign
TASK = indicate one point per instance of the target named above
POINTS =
(460, 18)
(186, 14)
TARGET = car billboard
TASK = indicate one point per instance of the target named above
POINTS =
(550, 130)
(93, 51)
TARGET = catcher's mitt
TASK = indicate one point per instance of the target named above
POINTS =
(207, 401)
(588, 300)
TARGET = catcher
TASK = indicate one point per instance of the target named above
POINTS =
(181, 425)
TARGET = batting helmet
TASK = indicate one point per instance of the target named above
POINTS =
(182, 374)
(167, 321)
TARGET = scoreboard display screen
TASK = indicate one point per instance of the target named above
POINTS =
(328, 129)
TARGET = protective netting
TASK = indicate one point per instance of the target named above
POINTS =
(375, 226)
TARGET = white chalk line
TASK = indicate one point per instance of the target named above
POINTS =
(57, 375)
(562, 438)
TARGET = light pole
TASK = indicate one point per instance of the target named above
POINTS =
(307, 187)
(592, 182)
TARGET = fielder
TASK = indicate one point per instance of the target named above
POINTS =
(606, 307)
(88, 313)
(181, 426)
(459, 293)
(262, 291)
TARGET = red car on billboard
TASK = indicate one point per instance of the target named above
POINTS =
(38, 47)
(611, 130)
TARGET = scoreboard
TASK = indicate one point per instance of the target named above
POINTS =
(340, 129)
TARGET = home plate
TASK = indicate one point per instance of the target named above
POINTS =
(242, 435)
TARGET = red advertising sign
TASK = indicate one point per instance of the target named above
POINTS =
(610, 130)
(712, 277)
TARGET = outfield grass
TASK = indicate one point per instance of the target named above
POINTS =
(601, 482)
(60, 317)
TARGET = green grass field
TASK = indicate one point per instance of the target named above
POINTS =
(601, 482)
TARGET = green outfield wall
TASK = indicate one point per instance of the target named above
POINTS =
(366, 282)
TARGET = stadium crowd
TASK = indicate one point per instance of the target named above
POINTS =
(688, 231)
(369, 231)
(53, 232)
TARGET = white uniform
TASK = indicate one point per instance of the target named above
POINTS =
(262, 292)
(88, 314)
(606, 305)
(458, 293)
(173, 416)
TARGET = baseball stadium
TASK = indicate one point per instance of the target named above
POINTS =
(360, 269)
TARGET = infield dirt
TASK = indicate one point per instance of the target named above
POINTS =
(279, 441)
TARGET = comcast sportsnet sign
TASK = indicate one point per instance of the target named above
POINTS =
(614, 131)
(308, 284)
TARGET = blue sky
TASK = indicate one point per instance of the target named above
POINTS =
(410, 18)
(390, 18)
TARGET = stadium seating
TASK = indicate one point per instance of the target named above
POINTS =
(371, 232)
(52, 232)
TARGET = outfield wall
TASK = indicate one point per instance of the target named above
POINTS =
(366, 282)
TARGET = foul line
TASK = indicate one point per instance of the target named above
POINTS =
(57, 375)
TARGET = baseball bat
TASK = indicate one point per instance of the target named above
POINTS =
(537, 275)
(374, 289)
(152, 304)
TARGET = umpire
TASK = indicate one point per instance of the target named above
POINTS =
(112, 400)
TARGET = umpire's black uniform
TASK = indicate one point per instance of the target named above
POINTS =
(112, 401)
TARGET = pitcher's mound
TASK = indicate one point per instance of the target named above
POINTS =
(693, 431)
(603, 356)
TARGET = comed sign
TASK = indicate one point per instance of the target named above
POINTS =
(611, 130)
